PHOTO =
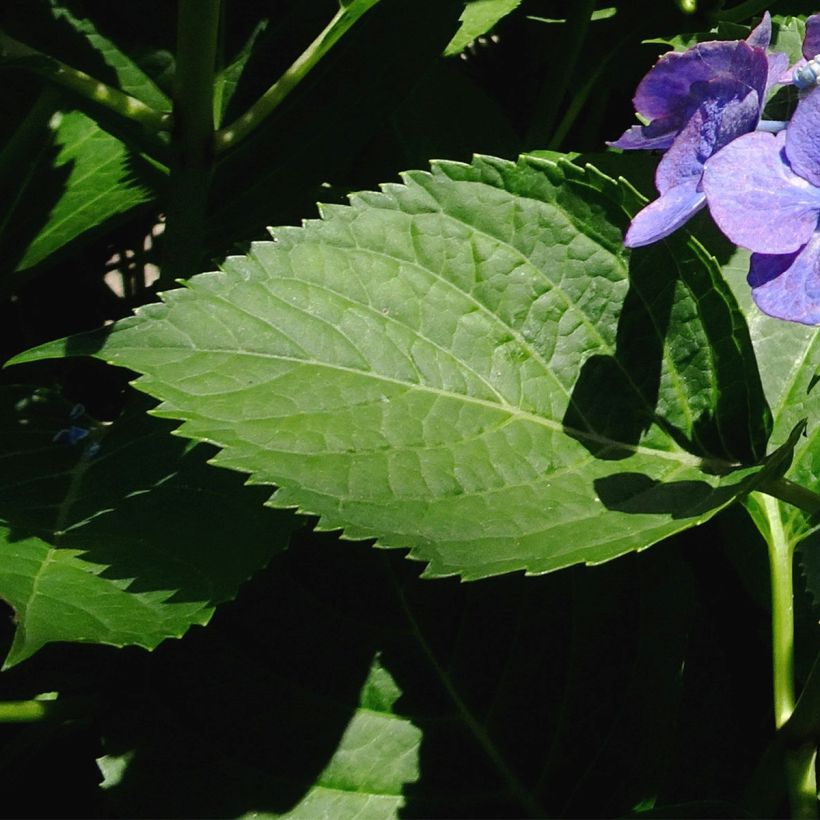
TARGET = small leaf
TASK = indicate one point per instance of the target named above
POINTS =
(130, 78)
(478, 17)
(426, 367)
(121, 536)
(87, 180)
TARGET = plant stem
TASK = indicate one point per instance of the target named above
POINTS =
(124, 107)
(793, 494)
(799, 763)
(25, 711)
(552, 95)
(197, 36)
(342, 21)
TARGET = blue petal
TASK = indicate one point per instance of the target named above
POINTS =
(787, 286)
(755, 197)
(727, 111)
(665, 215)
(803, 138)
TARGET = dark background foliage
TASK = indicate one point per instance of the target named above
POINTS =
(609, 690)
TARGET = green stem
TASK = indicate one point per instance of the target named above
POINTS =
(342, 21)
(25, 711)
(793, 494)
(579, 100)
(127, 108)
(552, 95)
(189, 184)
(799, 763)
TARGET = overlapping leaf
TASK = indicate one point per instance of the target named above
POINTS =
(787, 354)
(86, 550)
(91, 180)
(469, 365)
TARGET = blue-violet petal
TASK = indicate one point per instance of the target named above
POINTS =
(665, 215)
(788, 286)
(755, 197)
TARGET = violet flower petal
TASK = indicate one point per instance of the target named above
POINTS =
(761, 35)
(655, 136)
(755, 197)
(803, 139)
(811, 42)
(665, 90)
(788, 286)
(728, 110)
(665, 215)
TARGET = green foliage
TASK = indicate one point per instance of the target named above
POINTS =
(466, 366)
(87, 553)
(425, 366)
(478, 17)
(89, 179)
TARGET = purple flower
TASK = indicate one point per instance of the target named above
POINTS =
(805, 73)
(697, 102)
(764, 193)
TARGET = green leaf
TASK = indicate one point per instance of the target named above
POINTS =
(787, 354)
(129, 77)
(376, 756)
(86, 550)
(426, 367)
(478, 17)
(88, 180)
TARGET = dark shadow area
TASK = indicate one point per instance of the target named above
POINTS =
(246, 716)
(638, 493)
(140, 478)
(278, 177)
(614, 398)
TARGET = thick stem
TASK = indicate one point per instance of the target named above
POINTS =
(25, 711)
(799, 763)
(342, 21)
(184, 238)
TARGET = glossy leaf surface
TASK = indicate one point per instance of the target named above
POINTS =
(427, 366)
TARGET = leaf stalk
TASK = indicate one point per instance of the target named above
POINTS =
(799, 762)
(112, 99)
(239, 129)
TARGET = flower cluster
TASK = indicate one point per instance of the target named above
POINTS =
(760, 180)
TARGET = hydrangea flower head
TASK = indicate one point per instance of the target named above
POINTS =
(696, 102)
(764, 193)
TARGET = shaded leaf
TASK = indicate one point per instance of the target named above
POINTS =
(426, 367)
(129, 77)
(478, 17)
(787, 355)
(87, 180)
(87, 551)
(579, 694)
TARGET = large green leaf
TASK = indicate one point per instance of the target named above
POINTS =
(478, 17)
(427, 367)
(128, 545)
(87, 180)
